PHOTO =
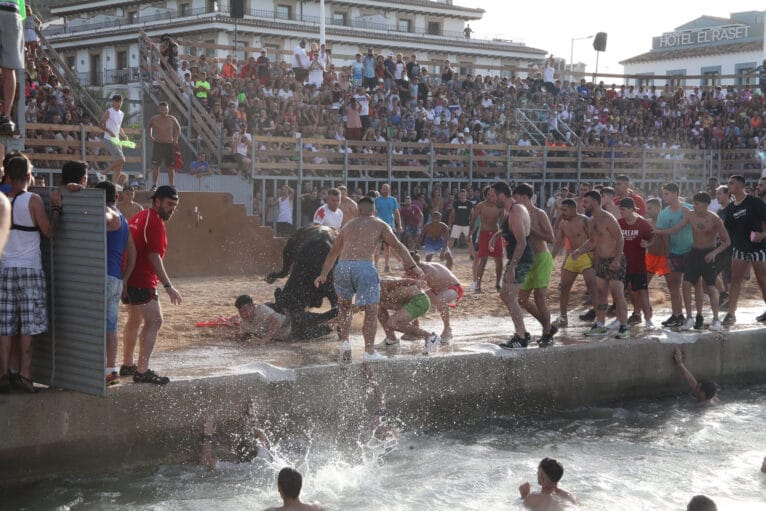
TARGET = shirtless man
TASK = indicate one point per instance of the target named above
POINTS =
(607, 201)
(703, 390)
(550, 497)
(539, 275)
(516, 228)
(409, 302)
(444, 291)
(355, 273)
(437, 201)
(607, 243)
(572, 228)
(435, 235)
(347, 205)
(707, 227)
(289, 484)
(164, 131)
(126, 205)
(581, 191)
(489, 214)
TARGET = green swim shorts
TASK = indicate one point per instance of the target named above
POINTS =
(539, 274)
(417, 306)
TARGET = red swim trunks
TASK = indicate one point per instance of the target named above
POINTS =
(657, 265)
(485, 250)
(460, 292)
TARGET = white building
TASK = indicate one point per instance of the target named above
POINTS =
(706, 51)
(98, 38)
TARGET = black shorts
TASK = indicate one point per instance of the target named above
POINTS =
(696, 267)
(140, 295)
(164, 154)
(677, 262)
(723, 264)
(301, 75)
(636, 281)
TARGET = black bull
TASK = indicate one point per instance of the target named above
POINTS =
(302, 259)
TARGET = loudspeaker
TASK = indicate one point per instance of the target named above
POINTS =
(599, 43)
(237, 8)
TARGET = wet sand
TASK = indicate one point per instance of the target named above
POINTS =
(480, 320)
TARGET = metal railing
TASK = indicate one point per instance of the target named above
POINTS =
(119, 22)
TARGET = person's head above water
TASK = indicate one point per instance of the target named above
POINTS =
(701, 503)
(289, 483)
(549, 471)
(707, 388)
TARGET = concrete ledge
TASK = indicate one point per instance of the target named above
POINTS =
(57, 431)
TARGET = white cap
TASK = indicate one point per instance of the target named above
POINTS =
(466, 130)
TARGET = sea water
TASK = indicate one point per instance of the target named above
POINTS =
(642, 455)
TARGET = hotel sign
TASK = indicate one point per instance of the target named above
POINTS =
(700, 36)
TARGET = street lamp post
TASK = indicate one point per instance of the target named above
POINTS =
(571, 55)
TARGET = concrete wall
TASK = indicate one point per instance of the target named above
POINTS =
(55, 432)
(225, 241)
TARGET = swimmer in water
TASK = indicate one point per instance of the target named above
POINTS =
(550, 497)
(701, 503)
(251, 445)
(703, 390)
(289, 483)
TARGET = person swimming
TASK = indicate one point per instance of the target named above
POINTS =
(550, 497)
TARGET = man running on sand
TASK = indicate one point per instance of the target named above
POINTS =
(444, 290)
(607, 242)
(347, 205)
(489, 214)
(539, 275)
(550, 497)
(435, 236)
(707, 227)
(409, 302)
(572, 228)
(516, 227)
(355, 273)
(164, 131)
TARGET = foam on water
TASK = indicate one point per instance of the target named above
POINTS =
(635, 456)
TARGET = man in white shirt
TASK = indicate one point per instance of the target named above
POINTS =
(329, 214)
(301, 62)
(111, 123)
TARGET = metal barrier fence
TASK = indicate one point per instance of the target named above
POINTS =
(307, 163)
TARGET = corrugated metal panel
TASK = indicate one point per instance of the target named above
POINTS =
(42, 347)
(72, 354)
(241, 189)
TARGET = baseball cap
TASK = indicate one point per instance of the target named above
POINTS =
(627, 202)
(165, 192)
(117, 97)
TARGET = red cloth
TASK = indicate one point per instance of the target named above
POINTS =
(460, 292)
(150, 237)
(634, 252)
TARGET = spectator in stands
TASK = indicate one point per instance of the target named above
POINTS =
(200, 167)
(264, 67)
(24, 309)
(301, 62)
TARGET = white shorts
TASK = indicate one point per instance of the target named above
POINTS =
(459, 229)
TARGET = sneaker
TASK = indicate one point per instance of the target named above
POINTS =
(516, 342)
(715, 326)
(688, 324)
(761, 318)
(22, 384)
(729, 319)
(596, 330)
(634, 318)
(345, 350)
(150, 377)
(390, 342)
(7, 126)
(473, 286)
(431, 343)
(614, 325)
(553, 331)
(674, 321)
(372, 357)
(699, 322)
(498, 287)
(128, 370)
(588, 316)
(561, 322)
(112, 378)
(545, 341)
(649, 326)
(623, 332)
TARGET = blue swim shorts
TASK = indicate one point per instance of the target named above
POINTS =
(358, 278)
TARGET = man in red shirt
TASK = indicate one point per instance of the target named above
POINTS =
(622, 190)
(150, 237)
(636, 232)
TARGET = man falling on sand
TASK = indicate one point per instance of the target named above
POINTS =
(355, 273)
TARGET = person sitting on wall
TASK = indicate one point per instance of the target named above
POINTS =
(200, 167)
(550, 496)
(703, 390)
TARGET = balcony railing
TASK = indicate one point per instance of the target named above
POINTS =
(125, 22)
(109, 77)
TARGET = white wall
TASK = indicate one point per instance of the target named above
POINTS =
(693, 66)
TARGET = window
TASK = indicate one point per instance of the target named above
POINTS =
(746, 76)
(183, 10)
(71, 62)
(284, 12)
(95, 70)
(339, 18)
(212, 6)
(466, 68)
(132, 16)
(122, 59)
(434, 28)
(711, 78)
(404, 25)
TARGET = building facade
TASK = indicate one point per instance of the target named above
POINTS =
(98, 38)
(706, 51)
